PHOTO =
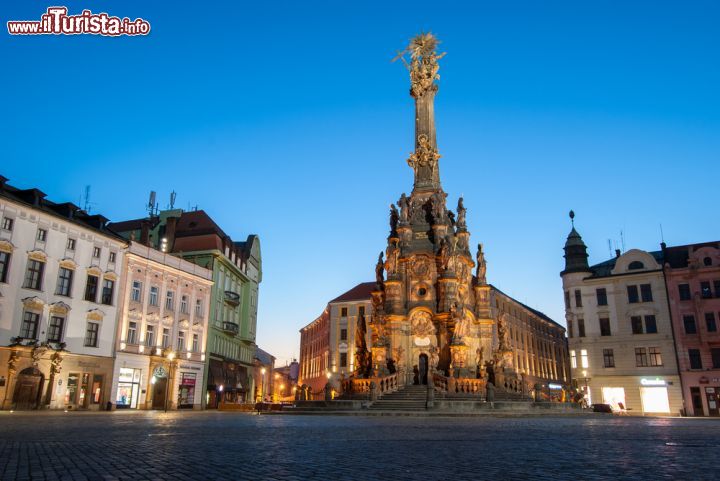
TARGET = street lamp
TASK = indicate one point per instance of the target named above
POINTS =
(262, 392)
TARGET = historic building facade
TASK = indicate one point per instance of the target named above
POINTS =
(692, 274)
(619, 328)
(236, 274)
(315, 352)
(59, 277)
(162, 331)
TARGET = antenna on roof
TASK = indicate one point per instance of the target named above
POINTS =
(173, 196)
(662, 236)
(85, 200)
(610, 247)
(622, 241)
(152, 205)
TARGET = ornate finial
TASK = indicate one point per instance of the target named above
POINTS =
(572, 218)
(423, 65)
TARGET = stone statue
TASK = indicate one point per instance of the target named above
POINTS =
(424, 160)
(394, 218)
(393, 255)
(461, 210)
(502, 333)
(434, 358)
(451, 216)
(461, 323)
(421, 324)
(404, 208)
(444, 255)
(379, 271)
(481, 266)
(423, 65)
(438, 207)
(363, 362)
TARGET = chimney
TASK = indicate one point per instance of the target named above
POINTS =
(170, 229)
(145, 232)
(3, 179)
(617, 252)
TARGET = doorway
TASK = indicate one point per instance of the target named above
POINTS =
(697, 401)
(712, 401)
(27, 389)
(159, 388)
(423, 368)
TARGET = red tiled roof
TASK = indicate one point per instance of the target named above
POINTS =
(361, 292)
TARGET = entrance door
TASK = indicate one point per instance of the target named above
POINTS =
(27, 389)
(159, 388)
(697, 401)
(423, 368)
(712, 400)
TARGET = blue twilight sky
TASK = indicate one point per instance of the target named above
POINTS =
(288, 120)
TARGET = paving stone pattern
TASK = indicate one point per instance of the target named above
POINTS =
(240, 446)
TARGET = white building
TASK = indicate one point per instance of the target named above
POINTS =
(619, 329)
(162, 331)
(59, 274)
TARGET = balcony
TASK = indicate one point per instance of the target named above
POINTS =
(232, 298)
(231, 328)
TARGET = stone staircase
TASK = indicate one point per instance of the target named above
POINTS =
(410, 398)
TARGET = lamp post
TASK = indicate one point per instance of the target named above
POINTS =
(262, 391)
(587, 390)
(170, 356)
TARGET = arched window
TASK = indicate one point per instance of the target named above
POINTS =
(707, 261)
(634, 265)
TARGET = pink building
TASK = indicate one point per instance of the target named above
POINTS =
(692, 275)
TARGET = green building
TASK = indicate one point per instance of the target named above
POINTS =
(237, 273)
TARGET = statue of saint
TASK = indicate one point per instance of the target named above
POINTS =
(394, 218)
(379, 271)
(444, 254)
(423, 65)
(438, 207)
(404, 208)
(481, 266)
(502, 333)
(461, 210)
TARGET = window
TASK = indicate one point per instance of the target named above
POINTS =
(716, 284)
(184, 304)
(166, 338)
(705, 291)
(181, 341)
(198, 308)
(715, 354)
(343, 334)
(608, 358)
(581, 327)
(684, 291)
(107, 291)
(150, 336)
(601, 296)
(91, 334)
(650, 324)
(707, 261)
(655, 357)
(34, 274)
(169, 300)
(196, 343)
(96, 252)
(41, 235)
(646, 292)
(604, 326)
(641, 359)
(343, 359)
(361, 312)
(635, 265)
(4, 265)
(570, 328)
(584, 359)
(64, 283)
(578, 298)
(136, 291)
(7, 223)
(636, 323)
(55, 329)
(111, 257)
(573, 360)
(343, 312)
(567, 299)
(132, 333)
(689, 322)
(29, 325)
(91, 288)
(70, 244)
(695, 360)
(154, 296)
(710, 321)
(632, 294)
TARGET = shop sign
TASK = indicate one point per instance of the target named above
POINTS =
(160, 372)
(652, 382)
(554, 386)
(704, 380)
(194, 368)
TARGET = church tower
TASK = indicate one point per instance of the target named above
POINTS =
(430, 313)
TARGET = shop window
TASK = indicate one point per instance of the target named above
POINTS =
(97, 389)
(128, 388)
(601, 296)
(695, 359)
(71, 390)
(655, 399)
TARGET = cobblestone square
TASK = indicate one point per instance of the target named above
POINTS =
(217, 445)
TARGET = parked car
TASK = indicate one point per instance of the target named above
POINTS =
(602, 408)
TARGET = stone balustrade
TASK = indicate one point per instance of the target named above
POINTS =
(384, 384)
(460, 386)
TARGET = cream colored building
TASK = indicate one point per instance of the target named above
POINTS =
(620, 335)
(162, 332)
